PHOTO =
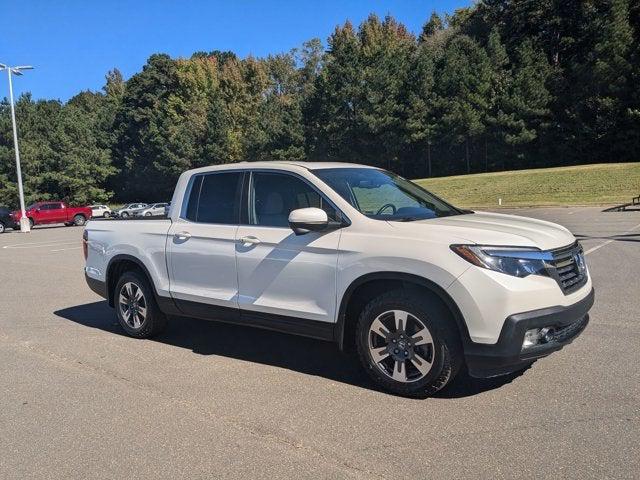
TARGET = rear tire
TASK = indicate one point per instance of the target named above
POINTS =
(79, 220)
(136, 307)
(2, 228)
(417, 351)
(31, 223)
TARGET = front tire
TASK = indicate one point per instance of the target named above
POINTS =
(106, 215)
(408, 343)
(2, 228)
(136, 307)
(124, 215)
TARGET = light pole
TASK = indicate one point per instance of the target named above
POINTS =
(24, 221)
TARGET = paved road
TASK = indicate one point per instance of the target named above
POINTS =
(81, 400)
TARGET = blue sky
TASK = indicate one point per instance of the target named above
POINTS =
(73, 44)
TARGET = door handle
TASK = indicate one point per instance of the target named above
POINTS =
(182, 235)
(251, 240)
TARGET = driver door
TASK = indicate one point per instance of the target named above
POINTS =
(281, 274)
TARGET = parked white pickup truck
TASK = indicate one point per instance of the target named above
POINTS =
(350, 254)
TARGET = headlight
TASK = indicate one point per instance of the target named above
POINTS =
(516, 261)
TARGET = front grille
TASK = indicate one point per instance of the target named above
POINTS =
(568, 268)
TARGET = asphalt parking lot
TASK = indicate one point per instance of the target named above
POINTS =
(81, 400)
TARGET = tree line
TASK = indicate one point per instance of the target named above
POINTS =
(503, 84)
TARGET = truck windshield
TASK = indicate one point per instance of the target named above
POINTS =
(383, 195)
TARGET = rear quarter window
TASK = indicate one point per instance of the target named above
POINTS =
(214, 198)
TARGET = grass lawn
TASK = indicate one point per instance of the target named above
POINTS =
(599, 184)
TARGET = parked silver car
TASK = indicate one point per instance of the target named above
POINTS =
(129, 209)
(154, 210)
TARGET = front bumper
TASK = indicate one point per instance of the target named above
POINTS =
(506, 355)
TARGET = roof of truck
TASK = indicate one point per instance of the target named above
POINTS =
(278, 163)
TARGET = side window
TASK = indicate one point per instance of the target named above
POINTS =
(274, 195)
(192, 205)
(214, 198)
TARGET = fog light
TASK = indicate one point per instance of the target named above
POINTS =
(546, 334)
(537, 336)
(531, 338)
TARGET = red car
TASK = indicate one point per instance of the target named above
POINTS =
(41, 213)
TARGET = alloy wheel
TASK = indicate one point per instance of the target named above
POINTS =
(401, 346)
(133, 305)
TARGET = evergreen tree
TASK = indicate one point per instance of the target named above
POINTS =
(332, 114)
(141, 151)
(497, 119)
(281, 111)
(386, 50)
(421, 120)
(463, 85)
(603, 112)
(431, 28)
(526, 113)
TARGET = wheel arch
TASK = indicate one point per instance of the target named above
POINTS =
(120, 264)
(372, 284)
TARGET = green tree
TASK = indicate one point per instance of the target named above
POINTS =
(422, 122)
(603, 110)
(281, 110)
(82, 164)
(332, 113)
(386, 51)
(141, 152)
(463, 86)
(434, 26)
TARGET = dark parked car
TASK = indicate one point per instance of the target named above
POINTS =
(6, 220)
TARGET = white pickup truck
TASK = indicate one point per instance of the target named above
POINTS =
(351, 254)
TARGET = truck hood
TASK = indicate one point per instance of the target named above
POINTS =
(486, 228)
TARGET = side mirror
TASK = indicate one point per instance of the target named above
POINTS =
(305, 220)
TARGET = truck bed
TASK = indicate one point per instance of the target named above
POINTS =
(143, 239)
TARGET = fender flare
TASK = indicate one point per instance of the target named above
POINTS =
(339, 328)
(166, 304)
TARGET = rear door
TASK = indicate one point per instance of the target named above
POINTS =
(279, 273)
(50, 213)
(158, 209)
(59, 212)
(201, 245)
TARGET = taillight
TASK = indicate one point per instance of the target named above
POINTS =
(85, 244)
